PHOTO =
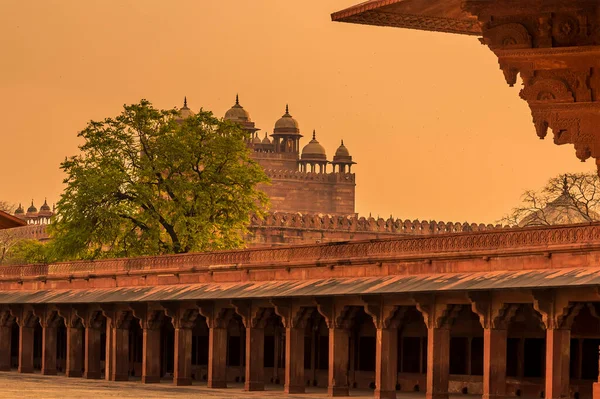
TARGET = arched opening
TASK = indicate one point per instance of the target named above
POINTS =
(274, 350)
(236, 349)
(167, 348)
(200, 340)
(136, 348)
(585, 340)
(37, 346)
(466, 353)
(412, 356)
(526, 353)
(363, 341)
(61, 345)
(316, 351)
(14, 346)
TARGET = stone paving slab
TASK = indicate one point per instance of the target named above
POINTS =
(30, 386)
(36, 386)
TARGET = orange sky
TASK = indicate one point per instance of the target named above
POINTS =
(435, 130)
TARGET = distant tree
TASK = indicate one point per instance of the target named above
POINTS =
(26, 251)
(568, 198)
(7, 207)
(147, 183)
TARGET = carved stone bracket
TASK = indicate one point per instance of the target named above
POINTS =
(555, 47)
(182, 315)
(6, 318)
(336, 316)
(557, 313)
(252, 316)
(384, 315)
(216, 316)
(436, 315)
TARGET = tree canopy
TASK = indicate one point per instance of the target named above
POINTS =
(149, 183)
(568, 198)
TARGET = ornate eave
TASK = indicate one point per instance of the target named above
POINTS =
(430, 15)
(553, 45)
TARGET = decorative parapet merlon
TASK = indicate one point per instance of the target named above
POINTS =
(354, 223)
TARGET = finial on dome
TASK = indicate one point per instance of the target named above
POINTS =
(287, 111)
(314, 134)
(565, 185)
(237, 100)
(342, 141)
(185, 102)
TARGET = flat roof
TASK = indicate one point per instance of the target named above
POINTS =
(399, 284)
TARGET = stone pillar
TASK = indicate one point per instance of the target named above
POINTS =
(255, 358)
(182, 363)
(48, 349)
(217, 357)
(25, 348)
(119, 352)
(494, 363)
(438, 362)
(92, 353)
(108, 359)
(338, 362)
(294, 360)
(5, 345)
(74, 355)
(558, 347)
(386, 363)
(151, 356)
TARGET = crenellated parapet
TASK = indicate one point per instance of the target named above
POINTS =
(354, 223)
(310, 176)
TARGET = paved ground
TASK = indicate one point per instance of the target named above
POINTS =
(30, 386)
(35, 386)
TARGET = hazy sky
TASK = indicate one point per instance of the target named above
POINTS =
(435, 130)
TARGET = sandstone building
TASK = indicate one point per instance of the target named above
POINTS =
(304, 181)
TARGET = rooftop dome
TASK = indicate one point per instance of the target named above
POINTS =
(184, 113)
(19, 210)
(45, 207)
(286, 124)
(342, 151)
(256, 139)
(342, 155)
(266, 139)
(563, 210)
(237, 113)
(313, 150)
(32, 208)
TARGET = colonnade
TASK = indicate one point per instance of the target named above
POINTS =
(442, 322)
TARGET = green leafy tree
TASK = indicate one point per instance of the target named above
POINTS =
(149, 183)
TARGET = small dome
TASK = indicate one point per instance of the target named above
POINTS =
(19, 210)
(286, 124)
(342, 151)
(32, 208)
(314, 151)
(184, 112)
(256, 139)
(266, 140)
(45, 207)
(237, 113)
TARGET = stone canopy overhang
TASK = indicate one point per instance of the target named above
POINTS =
(431, 15)
(407, 284)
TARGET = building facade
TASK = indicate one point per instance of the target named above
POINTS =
(303, 179)
(505, 313)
